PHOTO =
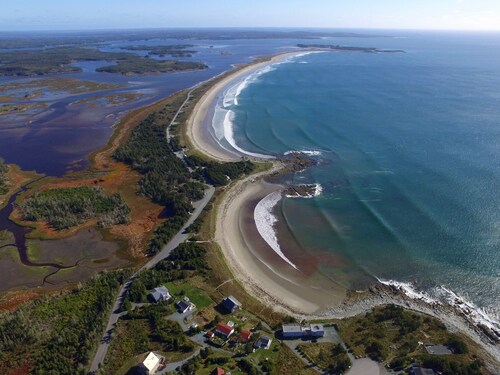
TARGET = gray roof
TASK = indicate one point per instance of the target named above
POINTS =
(437, 349)
(422, 371)
(159, 293)
(262, 342)
(234, 300)
(287, 328)
(317, 328)
(183, 304)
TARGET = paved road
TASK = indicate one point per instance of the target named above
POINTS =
(188, 98)
(179, 238)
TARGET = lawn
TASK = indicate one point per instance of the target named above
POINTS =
(195, 295)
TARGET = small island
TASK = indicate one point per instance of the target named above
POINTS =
(176, 50)
(339, 48)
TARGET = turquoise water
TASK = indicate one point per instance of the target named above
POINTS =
(409, 163)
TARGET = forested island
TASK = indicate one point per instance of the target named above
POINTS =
(176, 50)
(339, 48)
(59, 59)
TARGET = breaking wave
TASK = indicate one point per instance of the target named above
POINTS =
(265, 220)
(442, 295)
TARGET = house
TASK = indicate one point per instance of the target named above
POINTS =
(263, 342)
(209, 335)
(437, 349)
(245, 335)
(217, 371)
(224, 330)
(159, 294)
(292, 331)
(150, 364)
(316, 330)
(417, 370)
(231, 304)
(185, 305)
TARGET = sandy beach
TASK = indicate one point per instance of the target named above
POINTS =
(248, 255)
(198, 134)
(244, 251)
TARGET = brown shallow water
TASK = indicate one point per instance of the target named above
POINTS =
(306, 282)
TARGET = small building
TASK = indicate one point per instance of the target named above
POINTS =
(209, 335)
(185, 305)
(231, 304)
(437, 349)
(417, 370)
(224, 330)
(150, 364)
(292, 331)
(316, 330)
(245, 335)
(217, 371)
(159, 294)
(263, 342)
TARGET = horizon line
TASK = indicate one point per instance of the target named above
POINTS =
(289, 28)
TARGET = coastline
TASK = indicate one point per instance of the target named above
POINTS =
(197, 134)
(271, 287)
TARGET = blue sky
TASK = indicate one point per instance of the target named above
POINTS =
(385, 14)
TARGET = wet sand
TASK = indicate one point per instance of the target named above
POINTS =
(255, 264)
(259, 269)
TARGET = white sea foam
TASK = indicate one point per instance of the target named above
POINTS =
(318, 189)
(305, 152)
(442, 294)
(265, 221)
(229, 135)
(223, 120)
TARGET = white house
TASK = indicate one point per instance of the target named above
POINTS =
(150, 364)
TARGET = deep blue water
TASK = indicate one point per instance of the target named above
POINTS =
(409, 164)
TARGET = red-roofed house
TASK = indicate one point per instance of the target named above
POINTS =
(224, 330)
(209, 335)
(217, 371)
(245, 335)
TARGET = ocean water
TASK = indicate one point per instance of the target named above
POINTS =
(408, 151)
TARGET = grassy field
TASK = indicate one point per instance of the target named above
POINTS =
(197, 296)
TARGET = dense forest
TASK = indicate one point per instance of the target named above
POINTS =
(166, 179)
(57, 335)
(219, 174)
(59, 60)
(175, 50)
(64, 208)
(3, 177)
